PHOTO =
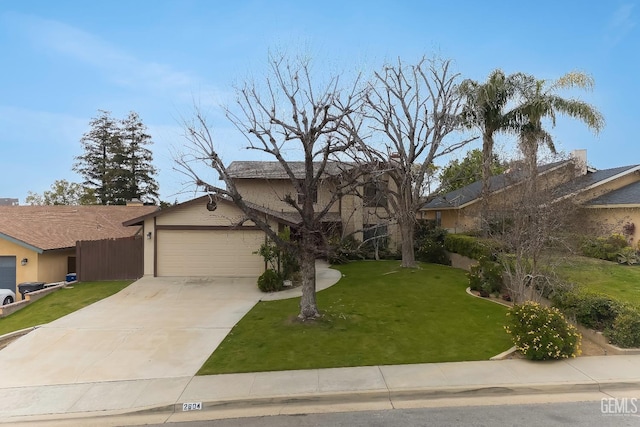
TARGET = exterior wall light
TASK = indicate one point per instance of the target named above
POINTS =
(149, 236)
(24, 261)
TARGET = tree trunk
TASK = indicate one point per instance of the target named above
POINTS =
(308, 306)
(487, 157)
(530, 151)
(407, 230)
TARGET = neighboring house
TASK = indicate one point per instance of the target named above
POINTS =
(609, 197)
(38, 243)
(8, 202)
(210, 236)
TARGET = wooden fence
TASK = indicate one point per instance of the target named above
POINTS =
(110, 259)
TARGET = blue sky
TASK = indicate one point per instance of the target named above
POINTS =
(64, 60)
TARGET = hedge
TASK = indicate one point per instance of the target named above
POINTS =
(619, 321)
(471, 247)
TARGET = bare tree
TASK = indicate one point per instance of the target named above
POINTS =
(289, 115)
(413, 109)
(536, 230)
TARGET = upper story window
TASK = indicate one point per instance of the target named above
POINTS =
(375, 195)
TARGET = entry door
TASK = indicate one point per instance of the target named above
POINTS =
(8, 272)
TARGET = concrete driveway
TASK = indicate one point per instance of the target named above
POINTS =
(155, 328)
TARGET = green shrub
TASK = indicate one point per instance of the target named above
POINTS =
(485, 277)
(592, 309)
(625, 331)
(470, 246)
(542, 333)
(429, 243)
(281, 259)
(606, 248)
(270, 281)
(628, 256)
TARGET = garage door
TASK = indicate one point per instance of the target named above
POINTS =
(8, 272)
(227, 253)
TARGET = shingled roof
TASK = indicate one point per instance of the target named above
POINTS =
(56, 227)
(627, 195)
(275, 170)
(592, 179)
(472, 192)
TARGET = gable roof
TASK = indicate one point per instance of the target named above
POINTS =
(591, 180)
(288, 218)
(472, 192)
(275, 170)
(42, 228)
(627, 195)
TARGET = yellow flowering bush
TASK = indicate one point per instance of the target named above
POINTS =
(542, 333)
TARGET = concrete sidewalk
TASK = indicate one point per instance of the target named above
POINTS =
(270, 393)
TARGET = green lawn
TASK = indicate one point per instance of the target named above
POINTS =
(378, 314)
(60, 303)
(619, 281)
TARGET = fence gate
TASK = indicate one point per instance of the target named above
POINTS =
(110, 259)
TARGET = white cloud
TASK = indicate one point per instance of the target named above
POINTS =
(120, 66)
(619, 24)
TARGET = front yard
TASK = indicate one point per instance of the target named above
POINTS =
(378, 314)
(618, 281)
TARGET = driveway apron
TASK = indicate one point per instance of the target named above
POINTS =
(155, 328)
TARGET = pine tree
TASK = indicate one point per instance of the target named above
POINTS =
(116, 163)
(97, 164)
(137, 168)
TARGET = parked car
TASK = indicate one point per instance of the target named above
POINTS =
(7, 296)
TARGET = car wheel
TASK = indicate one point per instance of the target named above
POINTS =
(7, 300)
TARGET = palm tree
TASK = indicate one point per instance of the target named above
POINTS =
(541, 101)
(487, 109)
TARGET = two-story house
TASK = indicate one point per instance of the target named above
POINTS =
(210, 236)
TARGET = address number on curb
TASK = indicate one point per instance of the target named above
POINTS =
(195, 406)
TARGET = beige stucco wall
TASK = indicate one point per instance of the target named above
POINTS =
(47, 267)
(611, 220)
(148, 246)
(270, 193)
(226, 214)
(24, 273)
(52, 266)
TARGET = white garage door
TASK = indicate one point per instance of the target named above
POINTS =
(227, 253)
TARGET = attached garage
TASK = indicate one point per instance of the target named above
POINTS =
(200, 238)
(226, 252)
(8, 273)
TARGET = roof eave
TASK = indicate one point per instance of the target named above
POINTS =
(21, 243)
(599, 183)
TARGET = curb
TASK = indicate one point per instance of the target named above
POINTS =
(385, 396)
(19, 333)
(380, 396)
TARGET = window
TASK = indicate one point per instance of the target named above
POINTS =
(375, 236)
(438, 218)
(314, 197)
(375, 195)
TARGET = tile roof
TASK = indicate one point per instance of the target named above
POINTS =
(473, 191)
(627, 195)
(57, 227)
(274, 170)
